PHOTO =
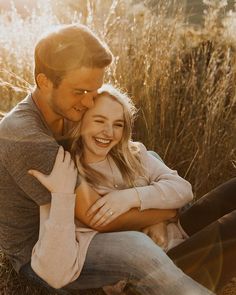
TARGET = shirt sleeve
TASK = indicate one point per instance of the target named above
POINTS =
(166, 189)
(36, 151)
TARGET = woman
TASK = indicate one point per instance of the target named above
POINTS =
(111, 162)
(103, 149)
(122, 171)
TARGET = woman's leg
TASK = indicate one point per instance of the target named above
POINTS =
(209, 208)
(209, 255)
(134, 257)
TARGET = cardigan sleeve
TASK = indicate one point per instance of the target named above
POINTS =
(166, 189)
(55, 257)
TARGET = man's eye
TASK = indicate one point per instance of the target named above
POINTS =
(79, 93)
(99, 121)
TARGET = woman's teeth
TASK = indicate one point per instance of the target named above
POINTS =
(101, 140)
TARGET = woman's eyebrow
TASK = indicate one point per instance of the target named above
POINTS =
(104, 117)
(99, 116)
(120, 120)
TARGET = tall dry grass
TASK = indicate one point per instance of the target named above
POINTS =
(181, 78)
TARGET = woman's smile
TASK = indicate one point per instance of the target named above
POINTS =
(102, 128)
(101, 142)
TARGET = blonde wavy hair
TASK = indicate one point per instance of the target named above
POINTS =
(125, 154)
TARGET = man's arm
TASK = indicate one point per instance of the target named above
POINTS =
(131, 220)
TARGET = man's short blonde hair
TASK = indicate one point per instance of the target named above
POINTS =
(69, 47)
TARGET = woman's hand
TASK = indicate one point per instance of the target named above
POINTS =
(109, 207)
(63, 176)
(158, 233)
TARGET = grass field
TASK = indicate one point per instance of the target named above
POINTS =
(181, 78)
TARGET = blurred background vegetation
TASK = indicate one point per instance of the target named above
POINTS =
(181, 76)
(176, 59)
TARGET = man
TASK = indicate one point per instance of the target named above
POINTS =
(70, 63)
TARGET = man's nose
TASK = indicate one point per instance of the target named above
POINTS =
(88, 99)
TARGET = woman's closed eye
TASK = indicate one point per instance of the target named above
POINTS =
(99, 121)
(119, 125)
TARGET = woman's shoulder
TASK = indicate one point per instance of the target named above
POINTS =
(140, 150)
(138, 146)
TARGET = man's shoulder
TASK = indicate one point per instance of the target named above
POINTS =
(22, 121)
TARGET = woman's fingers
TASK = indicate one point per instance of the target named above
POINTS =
(98, 204)
(60, 155)
(100, 214)
(105, 219)
(67, 158)
(108, 220)
(42, 178)
(63, 159)
(62, 178)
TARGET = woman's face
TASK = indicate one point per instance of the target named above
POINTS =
(102, 128)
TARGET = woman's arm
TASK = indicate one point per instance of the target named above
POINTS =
(131, 220)
(166, 190)
(55, 256)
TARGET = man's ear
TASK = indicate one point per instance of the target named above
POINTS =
(43, 82)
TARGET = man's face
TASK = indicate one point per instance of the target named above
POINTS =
(75, 93)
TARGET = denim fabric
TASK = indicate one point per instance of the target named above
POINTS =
(136, 258)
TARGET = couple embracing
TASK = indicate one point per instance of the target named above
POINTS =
(83, 206)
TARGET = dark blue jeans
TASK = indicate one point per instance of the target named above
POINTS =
(209, 255)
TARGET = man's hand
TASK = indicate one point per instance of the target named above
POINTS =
(63, 176)
(158, 233)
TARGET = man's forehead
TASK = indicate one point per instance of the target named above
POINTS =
(85, 78)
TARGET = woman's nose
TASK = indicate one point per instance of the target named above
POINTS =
(108, 130)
